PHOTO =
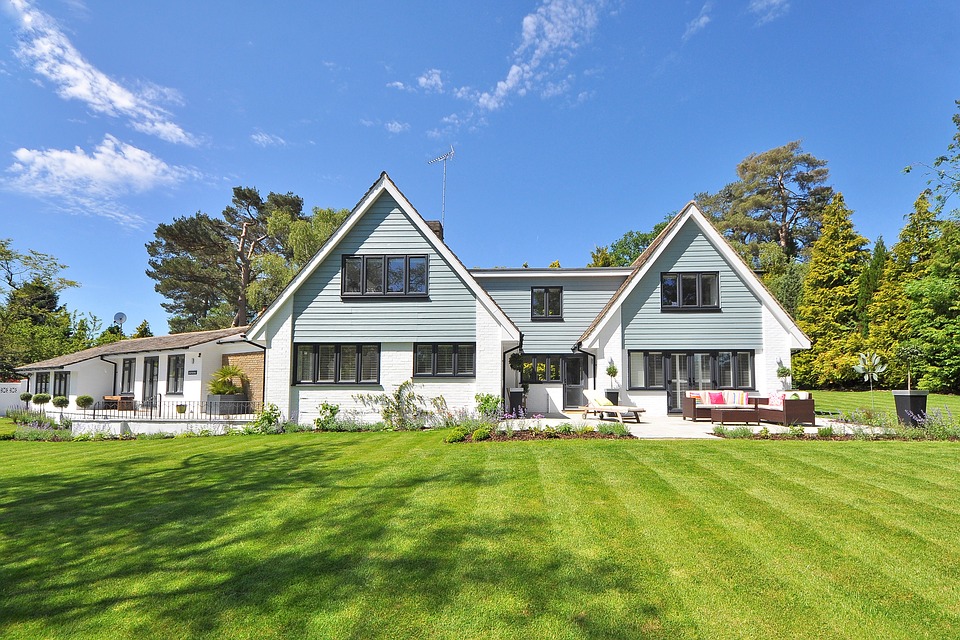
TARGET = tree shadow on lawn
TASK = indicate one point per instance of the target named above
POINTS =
(187, 544)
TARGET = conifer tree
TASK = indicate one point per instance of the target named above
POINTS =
(909, 261)
(828, 309)
(870, 279)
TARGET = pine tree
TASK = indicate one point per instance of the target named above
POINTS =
(909, 261)
(828, 310)
(870, 279)
(143, 330)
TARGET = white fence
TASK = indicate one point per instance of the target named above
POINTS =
(10, 395)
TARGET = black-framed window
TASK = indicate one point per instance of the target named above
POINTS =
(733, 369)
(539, 368)
(175, 366)
(325, 363)
(546, 303)
(688, 291)
(384, 275)
(129, 375)
(61, 383)
(43, 383)
(445, 359)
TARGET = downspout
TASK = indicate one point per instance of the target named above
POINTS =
(114, 374)
(503, 367)
(576, 349)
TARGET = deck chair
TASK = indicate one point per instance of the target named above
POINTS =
(598, 405)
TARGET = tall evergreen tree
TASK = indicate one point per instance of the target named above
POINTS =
(828, 310)
(870, 279)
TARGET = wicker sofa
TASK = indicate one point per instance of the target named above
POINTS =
(782, 407)
(699, 404)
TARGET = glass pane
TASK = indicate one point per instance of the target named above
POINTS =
(680, 375)
(373, 282)
(701, 371)
(553, 369)
(554, 302)
(466, 359)
(725, 369)
(538, 303)
(327, 363)
(668, 290)
(352, 268)
(540, 364)
(417, 275)
(655, 369)
(574, 371)
(688, 288)
(423, 360)
(635, 360)
(305, 370)
(369, 363)
(395, 273)
(527, 373)
(129, 373)
(348, 363)
(709, 290)
(744, 371)
(444, 359)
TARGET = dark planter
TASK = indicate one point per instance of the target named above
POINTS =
(910, 406)
(613, 395)
(226, 405)
(516, 400)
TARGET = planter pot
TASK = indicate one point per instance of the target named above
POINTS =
(226, 405)
(910, 405)
(516, 399)
(181, 408)
(613, 395)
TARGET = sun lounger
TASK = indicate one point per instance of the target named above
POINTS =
(597, 404)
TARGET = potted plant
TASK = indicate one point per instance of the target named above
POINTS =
(784, 373)
(911, 403)
(870, 367)
(61, 402)
(181, 407)
(41, 399)
(613, 394)
(517, 393)
(226, 395)
(84, 402)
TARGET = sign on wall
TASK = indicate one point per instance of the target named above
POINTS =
(10, 395)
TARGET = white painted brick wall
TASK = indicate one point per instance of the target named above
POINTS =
(776, 345)
(278, 359)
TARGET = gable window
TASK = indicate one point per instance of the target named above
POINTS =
(458, 360)
(175, 373)
(546, 303)
(61, 383)
(337, 364)
(383, 275)
(43, 383)
(689, 291)
(128, 375)
(540, 368)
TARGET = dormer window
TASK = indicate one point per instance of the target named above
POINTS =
(546, 303)
(690, 291)
(383, 275)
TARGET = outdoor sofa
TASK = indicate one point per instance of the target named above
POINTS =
(782, 407)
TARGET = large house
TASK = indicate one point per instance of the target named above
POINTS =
(385, 300)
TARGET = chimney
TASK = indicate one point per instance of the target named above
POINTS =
(437, 227)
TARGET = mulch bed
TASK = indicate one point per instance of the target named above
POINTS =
(539, 435)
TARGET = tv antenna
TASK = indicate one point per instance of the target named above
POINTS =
(443, 192)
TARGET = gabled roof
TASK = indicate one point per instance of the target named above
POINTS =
(136, 345)
(384, 185)
(642, 265)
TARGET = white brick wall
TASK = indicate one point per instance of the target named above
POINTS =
(776, 344)
(278, 359)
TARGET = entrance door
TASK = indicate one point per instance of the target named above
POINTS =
(151, 374)
(572, 382)
(678, 382)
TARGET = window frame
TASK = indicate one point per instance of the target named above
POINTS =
(172, 370)
(680, 276)
(666, 354)
(384, 260)
(61, 384)
(44, 385)
(338, 347)
(128, 375)
(545, 317)
(434, 348)
(535, 359)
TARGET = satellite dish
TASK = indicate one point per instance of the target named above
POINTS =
(120, 318)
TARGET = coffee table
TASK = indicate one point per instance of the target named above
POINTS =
(745, 415)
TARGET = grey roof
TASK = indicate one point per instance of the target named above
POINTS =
(135, 345)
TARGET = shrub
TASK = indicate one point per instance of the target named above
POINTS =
(224, 381)
(41, 399)
(613, 428)
(482, 433)
(742, 432)
(84, 402)
(441, 417)
(26, 396)
(402, 409)
(795, 430)
(719, 430)
(764, 432)
(457, 434)
(268, 421)
(826, 432)
(328, 416)
(488, 405)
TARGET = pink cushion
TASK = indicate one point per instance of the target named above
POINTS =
(715, 397)
(776, 399)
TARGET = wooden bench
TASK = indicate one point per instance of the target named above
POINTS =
(120, 403)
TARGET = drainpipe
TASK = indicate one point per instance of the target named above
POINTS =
(577, 349)
(114, 374)
(503, 367)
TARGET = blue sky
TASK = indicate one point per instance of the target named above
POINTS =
(573, 120)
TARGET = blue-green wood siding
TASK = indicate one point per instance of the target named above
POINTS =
(583, 298)
(737, 325)
(320, 315)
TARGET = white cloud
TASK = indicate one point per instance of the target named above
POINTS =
(698, 24)
(93, 183)
(44, 47)
(555, 30)
(431, 81)
(262, 139)
(398, 85)
(768, 10)
(396, 127)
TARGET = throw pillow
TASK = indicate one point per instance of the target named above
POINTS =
(715, 397)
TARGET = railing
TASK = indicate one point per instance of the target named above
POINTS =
(159, 409)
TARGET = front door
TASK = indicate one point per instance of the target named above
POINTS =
(151, 374)
(678, 381)
(572, 382)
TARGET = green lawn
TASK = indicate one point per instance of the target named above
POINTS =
(7, 425)
(397, 535)
(848, 401)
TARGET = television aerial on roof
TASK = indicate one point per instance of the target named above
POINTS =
(443, 192)
(119, 318)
